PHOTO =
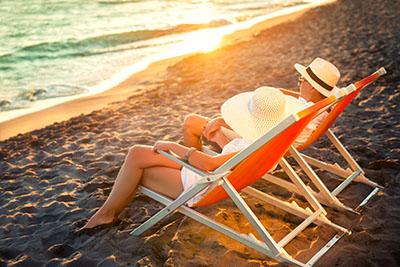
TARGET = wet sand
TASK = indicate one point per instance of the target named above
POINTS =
(54, 177)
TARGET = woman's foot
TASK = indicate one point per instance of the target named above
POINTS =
(92, 230)
(102, 216)
(97, 222)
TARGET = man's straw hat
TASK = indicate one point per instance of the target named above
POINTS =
(322, 75)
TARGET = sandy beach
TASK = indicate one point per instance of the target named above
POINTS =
(55, 175)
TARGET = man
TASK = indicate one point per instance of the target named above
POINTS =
(316, 82)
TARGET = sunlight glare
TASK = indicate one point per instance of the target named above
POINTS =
(203, 41)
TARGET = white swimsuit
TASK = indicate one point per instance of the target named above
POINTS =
(189, 178)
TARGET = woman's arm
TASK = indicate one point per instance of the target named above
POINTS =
(209, 163)
(214, 125)
(171, 147)
(219, 137)
(197, 158)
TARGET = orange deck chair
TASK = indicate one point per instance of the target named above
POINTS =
(239, 172)
(353, 173)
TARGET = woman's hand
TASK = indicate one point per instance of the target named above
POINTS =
(211, 127)
(163, 146)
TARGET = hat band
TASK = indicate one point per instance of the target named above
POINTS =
(318, 80)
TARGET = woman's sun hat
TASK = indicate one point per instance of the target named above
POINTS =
(322, 75)
(252, 114)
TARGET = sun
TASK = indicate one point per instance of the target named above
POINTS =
(203, 40)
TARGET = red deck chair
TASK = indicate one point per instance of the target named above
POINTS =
(353, 173)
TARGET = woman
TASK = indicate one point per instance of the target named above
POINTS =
(251, 114)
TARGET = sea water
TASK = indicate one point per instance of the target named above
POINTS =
(52, 50)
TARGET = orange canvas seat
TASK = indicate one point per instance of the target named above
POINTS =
(239, 172)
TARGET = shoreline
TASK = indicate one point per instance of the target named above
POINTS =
(134, 84)
(86, 104)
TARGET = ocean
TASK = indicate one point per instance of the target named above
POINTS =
(55, 50)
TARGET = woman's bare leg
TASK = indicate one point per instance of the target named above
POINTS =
(166, 181)
(138, 159)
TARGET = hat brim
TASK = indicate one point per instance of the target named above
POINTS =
(302, 70)
(236, 114)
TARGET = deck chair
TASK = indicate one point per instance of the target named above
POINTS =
(239, 172)
(353, 173)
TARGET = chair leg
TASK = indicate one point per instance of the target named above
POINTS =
(343, 151)
(312, 175)
(168, 209)
(354, 174)
(248, 240)
(251, 217)
(300, 185)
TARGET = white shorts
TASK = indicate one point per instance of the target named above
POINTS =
(189, 180)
